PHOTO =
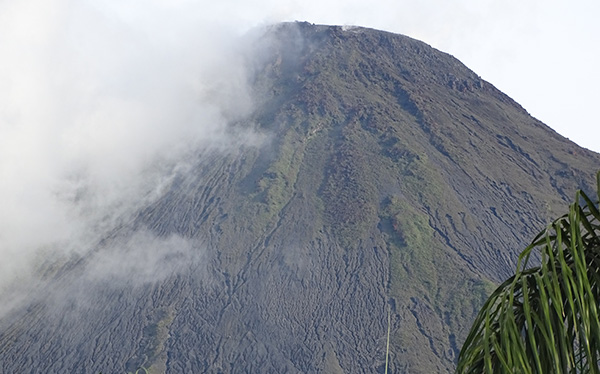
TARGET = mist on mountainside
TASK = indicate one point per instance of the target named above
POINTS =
(103, 106)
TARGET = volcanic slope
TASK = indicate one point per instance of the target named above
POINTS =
(392, 177)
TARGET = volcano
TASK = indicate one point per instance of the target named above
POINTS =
(391, 178)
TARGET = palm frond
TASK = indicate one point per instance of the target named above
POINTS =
(545, 319)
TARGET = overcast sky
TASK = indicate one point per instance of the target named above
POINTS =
(545, 54)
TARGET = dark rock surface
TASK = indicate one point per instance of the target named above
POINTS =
(393, 176)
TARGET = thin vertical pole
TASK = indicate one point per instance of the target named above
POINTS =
(387, 348)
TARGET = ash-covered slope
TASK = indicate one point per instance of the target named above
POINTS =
(393, 176)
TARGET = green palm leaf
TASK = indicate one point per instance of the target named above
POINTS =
(545, 319)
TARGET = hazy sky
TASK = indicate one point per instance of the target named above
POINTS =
(543, 53)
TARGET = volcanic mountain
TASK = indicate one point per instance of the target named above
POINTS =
(390, 178)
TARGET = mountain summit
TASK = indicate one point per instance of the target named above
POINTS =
(391, 176)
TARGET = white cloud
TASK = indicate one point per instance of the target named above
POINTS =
(98, 101)
(142, 258)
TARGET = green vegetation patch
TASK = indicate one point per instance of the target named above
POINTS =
(276, 186)
(411, 246)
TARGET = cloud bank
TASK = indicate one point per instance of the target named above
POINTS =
(101, 103)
